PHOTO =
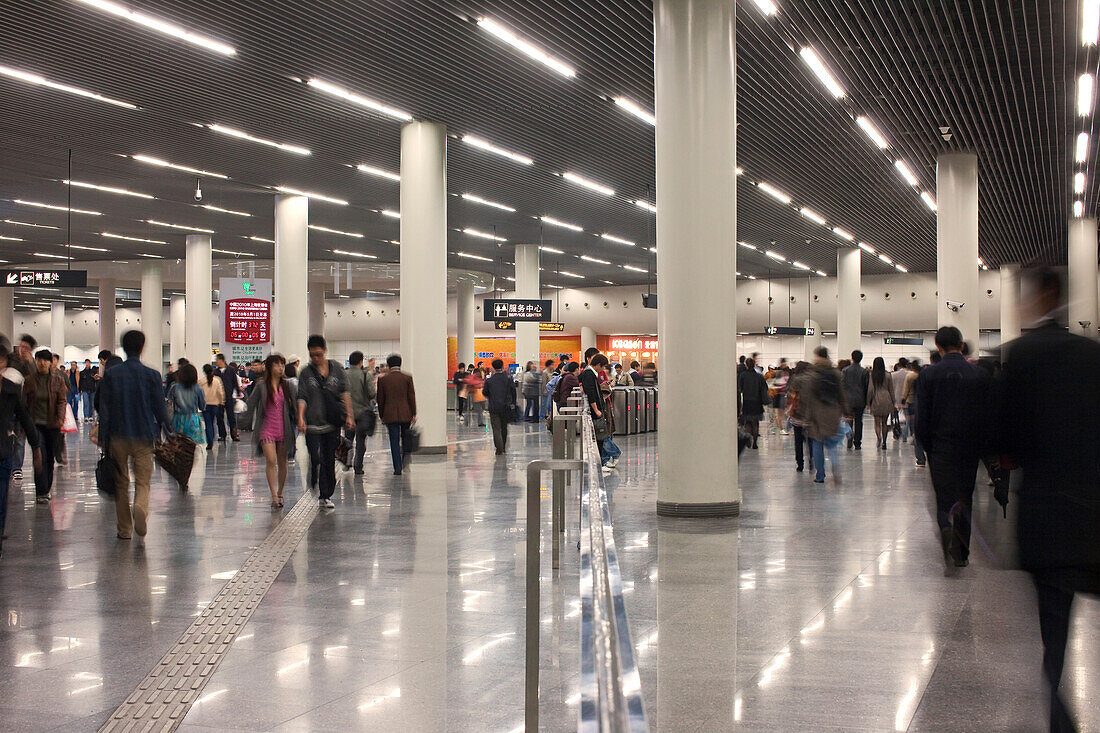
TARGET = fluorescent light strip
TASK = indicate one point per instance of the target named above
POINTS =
(1084, 95)
(800, 266)
(842, 234)
(1078, 208)
(377, 172)
(131, 239)
(362, 101)
(525, 47)
(746, 245)
(871, 132)
(551, 250)
(469, 256)
(592, 185)
(767, 7)
(597, 260)
(230, 252)
(50, 256)
(558, 223)
(814, 62)
(907, 174)
(819, 272)
(156, 257)
(811, 215)
(646, 205)
(165, 164)
(774, 192)
(635, 110)
(319, 197)
(487, 202)
(80, 246)
(775, 256)
(899, 268)
(232, 132)
(345, 252)
(10, 239)
(261, 239)
(571, 274)
(225, 211)
(28, 224)
(1090, 22)
(866, 248)
(617, 240)
(634, 269)
(162, 26)
(483, 235)
(886, 259)
(24, 202)
(44, 82)
(319, 228)
(1083, 145)
(179, 226)
(485, 145)
(390, 213)
(1079, 183)
(107, 189)
(928, 201)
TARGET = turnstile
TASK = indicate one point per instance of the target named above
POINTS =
(635, 409)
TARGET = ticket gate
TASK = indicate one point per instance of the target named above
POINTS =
(650, 412)
(635, 409)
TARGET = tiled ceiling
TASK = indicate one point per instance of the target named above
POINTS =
(1000, 75)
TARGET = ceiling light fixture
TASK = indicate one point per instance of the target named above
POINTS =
(230, 252)
(1078, 208)
(319, 228)
(28, 224)
(646, 205)
(50, 256)
(319, 197)
(822, 274)
(347, 253)
(486, 145)
(842, 234)
(635, 110)
(866, 248)
(871, 132)
(767, 7)
(899, 268)
(800, 266)
(1090, 22)
(1083, 145)
(483, 235)
(774, 192)
(746, 245)
(107, 189)
(551, 250)
(928, 201)
(469, 256)
(1084, 95)
(617, 240)
(487, 202)
(233, 132)
(558, 223)
(905, 172)
(81, 246)
(1079, 183)
(10, 239)
(157, 257)
(775, 256)
(377, 172)
(225, 211)
(261, 239)
(597, 260)
(179, 226)
(162, 26)
(571, 274)
(525, 47)
(165, 164)
(131, 239)
(24, 202)
(362, 101)
(814, 62)
(44, 82)
(592, 185)
(811, 215)
(886, 259)
(635, 269)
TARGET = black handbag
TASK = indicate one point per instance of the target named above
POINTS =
(106, 475)
(602, 430)
(370, 421)
(412, 439)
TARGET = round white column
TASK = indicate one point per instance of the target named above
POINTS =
(57, 328)
(527, 287)
(107, 339)
(957, 244)
(198, 322)
(424, 275)
(849, 308)
(176, 335)
(464, 303)
(695, 75)
(152, 313)
(588, 341)
(811, 342)
(1010, 303)
(317, 309)
(7, 313)
(289, 312)
(1082, 276)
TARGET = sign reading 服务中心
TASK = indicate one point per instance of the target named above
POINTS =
(517, 310)
(246, 318)
(44, 278)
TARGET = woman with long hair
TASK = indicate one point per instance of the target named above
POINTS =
(880, 399)
(188, 404)
(213, 391)
(273, 401)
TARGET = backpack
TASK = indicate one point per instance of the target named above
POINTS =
(827, 387)
(552, 385)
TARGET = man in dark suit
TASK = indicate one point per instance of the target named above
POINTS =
(500, 390)
(952, 425)
(228, 414)
(1050, 433)
(397, 409)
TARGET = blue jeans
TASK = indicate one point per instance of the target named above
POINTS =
(399, 433)
(918, 449)
(5, 480)
(544, 409)
(531, 409)
(74, 404)
(609, 450)
(89, 406)
(210, 416)
(817, 449)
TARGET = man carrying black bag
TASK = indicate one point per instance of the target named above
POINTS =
(323, 408)
(12, 410)
(362, 392)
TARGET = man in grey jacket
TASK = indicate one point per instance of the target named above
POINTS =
(361, 390)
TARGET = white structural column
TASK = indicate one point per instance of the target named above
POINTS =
(198, 324)
(7, 313)
(464, 303)
(1082, 276)
(152, 313)
(849, 307)
(107, 339)
(1010, 302)
(811, 342)
(177, 314)
(957, 244)
(695, 70)
(588, 340)
(57, 328)
(290, 316)
(527, 288)
(424, 275)
(317, 309)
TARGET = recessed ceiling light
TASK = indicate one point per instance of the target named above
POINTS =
(162, 26)
(811, 58)
(597, 260)
(592, 185)
(261, 239)
(225, 211)
(319, 228)
(44, 82)
(617, 240)
(525, 47)
(928, 201)
(81, 246)
(131, 239)
(485, 145)
(819, 272)
(10, 239)
(165, 164)
(469, 256)
(347, 253)
(635, 269)
(907, 174)
(483, 235)
(571, 274)
(812, 215)
(767, 7)
(746, 245)
(50, 256)
(775, 256)
(24, 202)
(362, 101)
(800, 266)
(866, 248)
(871, 132)
(319, 197)
(1084, 95)
(774, 192)
(230, 252)
(886, 259)
(1078, 208)
(179, 226)
(28, 224)
(233, 132)
(1079, 183)
(899, 268)
(486, 202)
(551, 250)
(558, 223)
(1083, 145)
(157, 257)
(635, 110)
(377, 172)
(646, 205)
(390, 213)
(107, 189)
(842, 234)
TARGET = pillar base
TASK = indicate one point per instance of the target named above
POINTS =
(699, 510)
(433, 450)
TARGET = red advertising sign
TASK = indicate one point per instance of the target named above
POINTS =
(247, 321)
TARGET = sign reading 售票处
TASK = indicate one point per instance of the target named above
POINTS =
(44, 278)
(246, 318)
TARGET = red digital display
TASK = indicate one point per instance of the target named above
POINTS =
(247, 321)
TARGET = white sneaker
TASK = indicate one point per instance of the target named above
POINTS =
(606, 470)
(326, 504)
(611, 463)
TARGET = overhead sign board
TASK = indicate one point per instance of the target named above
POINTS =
(517, 310)
(543, 326)
(44, 278)
(902, 341)
(246, 318)
(789, 331)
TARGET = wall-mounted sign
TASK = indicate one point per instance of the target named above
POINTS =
(618, 343)
(649, 301)
(788, 331)
(517, 310)
(543, 326)
(44, 278)
(902, 341)
(246, 318)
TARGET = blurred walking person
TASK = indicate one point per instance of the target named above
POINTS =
(824, 406)
(13, 410)
(397, 409)
(880, 399)
(856, 380)
(530, 387)
(213, 391)
(752, 398)
(362, 392)
(46, 394)
(324, 407)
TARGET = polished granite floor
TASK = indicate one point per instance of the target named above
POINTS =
(820, 608)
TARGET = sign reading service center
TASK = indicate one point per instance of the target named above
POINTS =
(246, 318)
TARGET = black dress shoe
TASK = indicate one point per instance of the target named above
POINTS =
(397, 472)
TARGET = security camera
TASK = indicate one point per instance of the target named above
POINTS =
(954, 306)
(1085, 324)
(198, 189)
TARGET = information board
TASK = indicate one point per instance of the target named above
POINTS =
(788, 331)
(44, 278)
(902, 341)
(246, 318)
(544, 326)
(517, 310)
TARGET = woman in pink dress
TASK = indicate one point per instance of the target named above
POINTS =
(273, 399)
